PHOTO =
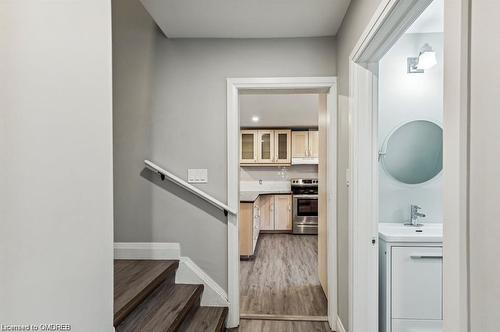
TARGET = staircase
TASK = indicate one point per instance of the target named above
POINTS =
(146, 298)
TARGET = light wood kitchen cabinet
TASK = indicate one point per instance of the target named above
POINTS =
(248, 147)
(283, 212)
(300, 144)
(283, 146)
(264, 147)
(249, 227)
(313, 143)
(267, 213)
(305, 147)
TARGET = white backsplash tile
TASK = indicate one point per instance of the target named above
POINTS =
(265, 185)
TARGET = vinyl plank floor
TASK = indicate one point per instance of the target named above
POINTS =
(283, 278)
(280, 326)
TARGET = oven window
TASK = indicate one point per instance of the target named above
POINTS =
(307, 207)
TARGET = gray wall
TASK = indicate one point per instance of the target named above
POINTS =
(358, 15)
(407, 97)
(56, 189)
(185, 125)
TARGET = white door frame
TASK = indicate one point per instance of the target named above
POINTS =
(327, 85)
(389, 22)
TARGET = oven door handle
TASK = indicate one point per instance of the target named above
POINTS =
(306, 196)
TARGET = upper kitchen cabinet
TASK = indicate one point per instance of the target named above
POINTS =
(314, 144)
(265, 147)
(283, 146)
(248, 147)
(305, 147)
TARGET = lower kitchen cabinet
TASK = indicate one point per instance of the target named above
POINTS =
(267, 213)
(283, 212)
(272, 213)
(249, 227)
(276, 213)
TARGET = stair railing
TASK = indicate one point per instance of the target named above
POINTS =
(183, 184)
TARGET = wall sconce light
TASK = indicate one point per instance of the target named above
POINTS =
(425, 60)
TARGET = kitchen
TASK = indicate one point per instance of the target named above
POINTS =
(280, 155)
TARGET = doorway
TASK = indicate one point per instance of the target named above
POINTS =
(326, 86)
(371, 172)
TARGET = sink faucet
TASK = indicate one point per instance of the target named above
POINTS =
(414, 215)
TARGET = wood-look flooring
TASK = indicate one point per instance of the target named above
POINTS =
(280, 326)
(282, 280)
(134, 280)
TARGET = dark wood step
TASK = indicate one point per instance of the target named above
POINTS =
(163, 310)
(134, 280)
(205, 319)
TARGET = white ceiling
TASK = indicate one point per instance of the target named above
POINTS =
(285, 110)
(247, 18)
(431, 20)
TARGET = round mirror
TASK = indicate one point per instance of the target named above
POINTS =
(413, 152)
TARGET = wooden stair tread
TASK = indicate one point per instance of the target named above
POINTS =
(134, 280)
(164, 309)
(206, 319)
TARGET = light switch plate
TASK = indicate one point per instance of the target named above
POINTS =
(197, 175)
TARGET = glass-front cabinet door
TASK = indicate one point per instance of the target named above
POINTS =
(248, 147)
(266, 146)
(283, 146)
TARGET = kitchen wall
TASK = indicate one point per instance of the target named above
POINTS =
(358, 15)
(175, 115)
(56, 185)
(405, 97)
(278, 173)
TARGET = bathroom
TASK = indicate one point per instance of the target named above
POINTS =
(410, 181)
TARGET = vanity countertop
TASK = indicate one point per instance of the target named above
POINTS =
(251, 196)
(398, 232)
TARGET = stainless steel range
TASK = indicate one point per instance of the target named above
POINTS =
(305, 206)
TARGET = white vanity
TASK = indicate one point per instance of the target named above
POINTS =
(410, 283)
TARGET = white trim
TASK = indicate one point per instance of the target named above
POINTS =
(456, 121)
(331, 188)
(187, 273)
(146, 250)
(340, 326)
(389, 22)
(190, 273)
(315, 85)
(284, 317)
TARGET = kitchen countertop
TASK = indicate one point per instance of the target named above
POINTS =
(251, 196)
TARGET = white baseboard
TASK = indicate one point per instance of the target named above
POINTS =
(147, 250)
(340, 326)
(190, 273)
(187, 273)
